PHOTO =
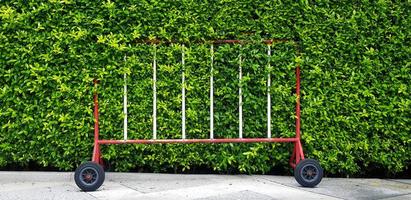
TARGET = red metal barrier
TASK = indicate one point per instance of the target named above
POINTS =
(308, 172)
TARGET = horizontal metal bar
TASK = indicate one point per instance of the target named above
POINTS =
(225, 140)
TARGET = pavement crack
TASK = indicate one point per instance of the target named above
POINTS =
(396, 181)
(88, 193)
(396, 195)
(300, 188)
(131, 188)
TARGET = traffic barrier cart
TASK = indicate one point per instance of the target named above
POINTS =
(90, 176)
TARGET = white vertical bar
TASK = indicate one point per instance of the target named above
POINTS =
(269, 94)
(155, 94)
(183, 91)
(212, 94)
(125, 104)
(240, 102)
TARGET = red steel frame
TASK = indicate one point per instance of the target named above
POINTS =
(297, 154)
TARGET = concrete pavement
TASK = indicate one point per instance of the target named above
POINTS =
(60, 185)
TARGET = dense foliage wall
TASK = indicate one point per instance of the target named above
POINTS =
(356, 77)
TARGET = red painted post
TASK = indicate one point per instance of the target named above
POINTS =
(96, 152)
(298, 153)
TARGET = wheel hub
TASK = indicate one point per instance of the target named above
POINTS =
(88, 177)
(309, 172)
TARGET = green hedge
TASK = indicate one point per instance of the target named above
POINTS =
(356, 77)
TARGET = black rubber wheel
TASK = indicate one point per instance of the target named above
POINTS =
(308, 173)
(89, 176)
